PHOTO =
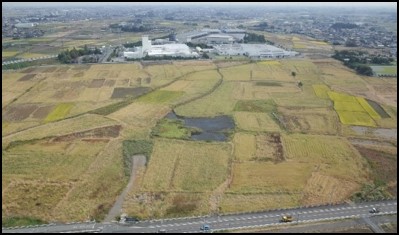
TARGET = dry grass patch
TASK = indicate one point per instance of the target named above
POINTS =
(237, 73)
(141, 114)
(33, 198)
(267, 177)
(244, 146)
(207, 107)
(322, 188)
(149, 205)
(255, 121)
(332, 155)
(310, 120)
(84, 122)
(186, 166)
(94, 194)
(306, 98)
(233, 202)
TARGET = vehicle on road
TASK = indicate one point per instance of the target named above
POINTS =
(286, 218)
(374, 210)
(205, 227)
(162, 230)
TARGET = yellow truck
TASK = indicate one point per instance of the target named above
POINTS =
(286, 218)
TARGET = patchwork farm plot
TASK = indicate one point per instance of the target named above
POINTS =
(284, 145)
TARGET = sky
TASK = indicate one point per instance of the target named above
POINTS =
(327, 4)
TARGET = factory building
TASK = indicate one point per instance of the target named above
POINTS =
(253, 51)
(147, 49)
(219, 39)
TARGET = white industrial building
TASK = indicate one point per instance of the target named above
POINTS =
(174, 50)
(219, 39)
(253, 51)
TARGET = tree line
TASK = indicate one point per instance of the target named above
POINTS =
(71, 56)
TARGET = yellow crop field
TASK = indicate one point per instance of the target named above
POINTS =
(348, 106)
(207, 106)
(255, 121)
(356, 118)
(319, 43)
(8, 53)
(333, 155)
(237, 73)
(268, 177)
(298, 45)
(186, 166)
(296, 38)
(59, 112)
(337, 96)
(366, 106)
(321, 91)
(244, 146)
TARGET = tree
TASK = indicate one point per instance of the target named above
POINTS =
(293, 74)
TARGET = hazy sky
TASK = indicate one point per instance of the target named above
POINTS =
(327, 4)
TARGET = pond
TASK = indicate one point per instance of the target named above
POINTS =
(213, 129)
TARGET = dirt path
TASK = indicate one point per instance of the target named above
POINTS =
(138, 162)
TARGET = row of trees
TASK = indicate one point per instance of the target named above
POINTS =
(253, 37)
(71, 56)
(355, 60)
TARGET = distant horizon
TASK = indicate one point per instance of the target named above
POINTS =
(391, 5)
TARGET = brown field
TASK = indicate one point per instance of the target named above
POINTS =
(96, 83)
(18, 112)
(42, 112)
(123, 92)
(269, 148)
(27, 77)
(268, 177)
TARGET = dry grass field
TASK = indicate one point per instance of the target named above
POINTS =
(255, 122)
(186, 166)
(310, 120)
(42, 175)
(207, 106)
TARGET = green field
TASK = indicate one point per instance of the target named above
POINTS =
(390, 70)
(59, 112)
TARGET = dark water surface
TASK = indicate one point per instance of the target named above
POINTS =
(214, 128)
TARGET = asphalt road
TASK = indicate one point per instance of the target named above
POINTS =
(227, 222)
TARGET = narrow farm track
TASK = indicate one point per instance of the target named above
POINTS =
(139, 161)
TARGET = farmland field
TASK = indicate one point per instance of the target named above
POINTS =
(64, 128)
